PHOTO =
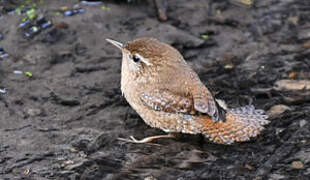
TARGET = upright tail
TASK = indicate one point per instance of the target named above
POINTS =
(240, 124)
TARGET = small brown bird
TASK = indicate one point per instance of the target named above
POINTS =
(163, 89)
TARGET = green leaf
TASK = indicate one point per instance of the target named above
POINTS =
(205, 36)
(103, 7)
(29, 74)
(31, 13)
(18, 11)
(24, 19)
(244, 2)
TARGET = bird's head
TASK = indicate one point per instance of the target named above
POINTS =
(145, 54)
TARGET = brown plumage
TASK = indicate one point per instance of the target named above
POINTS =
(168, 94)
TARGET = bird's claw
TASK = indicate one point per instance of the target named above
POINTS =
(134, 140)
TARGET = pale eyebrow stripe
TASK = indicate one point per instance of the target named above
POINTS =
(144, 60)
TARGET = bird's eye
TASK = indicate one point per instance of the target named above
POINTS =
(135, 58)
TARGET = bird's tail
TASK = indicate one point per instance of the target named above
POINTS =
(240, 124)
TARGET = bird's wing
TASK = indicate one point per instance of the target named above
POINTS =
(204, 102)
(172, 102)
(167, 101)
(188, 82)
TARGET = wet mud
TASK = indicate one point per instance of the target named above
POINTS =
(62, 121)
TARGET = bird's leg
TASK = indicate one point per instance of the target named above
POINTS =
(147, 139)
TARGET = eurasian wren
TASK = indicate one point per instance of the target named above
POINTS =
(163, 89)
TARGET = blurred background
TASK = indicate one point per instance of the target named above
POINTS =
(61, 108)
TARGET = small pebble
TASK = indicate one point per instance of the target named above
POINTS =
(307, 172)
(34, 112)
(73, 150)
(229, 66)
(150, 178)
(3, 91)
(302, 123)
(17, 72)
(66, 163)
(249, 167)
(277, 176)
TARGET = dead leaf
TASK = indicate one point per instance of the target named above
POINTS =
(297, 165)
(277, 110)
(306, 45)
(292, 75)
(26, 172)
(292, 85)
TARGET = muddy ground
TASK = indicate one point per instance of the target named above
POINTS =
(64, 121)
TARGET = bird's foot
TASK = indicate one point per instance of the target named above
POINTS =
(147, 139)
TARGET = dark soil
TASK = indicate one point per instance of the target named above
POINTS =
(64, 121)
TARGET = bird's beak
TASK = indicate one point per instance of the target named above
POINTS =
(115, 43)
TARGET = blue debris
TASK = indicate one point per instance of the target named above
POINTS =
(35, 28)
(46, 25)
(24, 24)
(92, 3)
(43, 23)
(40, 21)
(3, 54)
(74, 12)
